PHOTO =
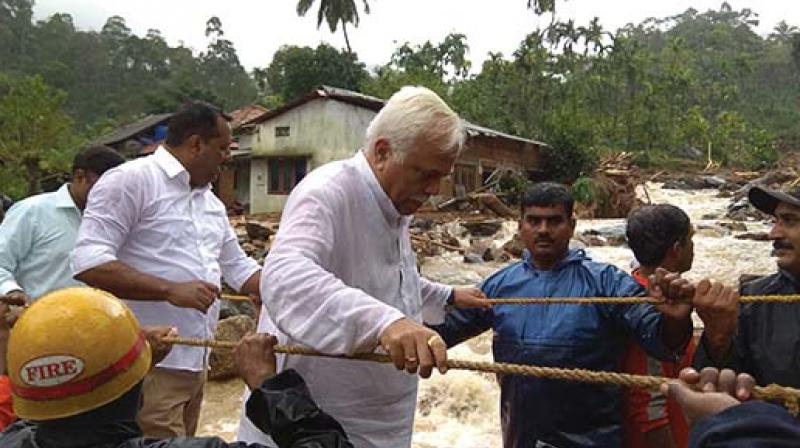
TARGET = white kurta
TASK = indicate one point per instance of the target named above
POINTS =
(340, 271)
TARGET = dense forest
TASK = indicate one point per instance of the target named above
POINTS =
(697, 84)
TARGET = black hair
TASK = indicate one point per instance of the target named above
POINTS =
(6, 201)
(97, 159)
(653, 229)
(194, 118)
(548, 194)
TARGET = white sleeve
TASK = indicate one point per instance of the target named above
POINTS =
(235, 265)
(16, 240)
(434, 300)
(306, 301)
(112, 209)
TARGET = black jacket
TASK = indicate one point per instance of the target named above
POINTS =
(281, 407)
(749, 425)
(767, 340)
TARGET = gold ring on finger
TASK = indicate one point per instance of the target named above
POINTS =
(435, 338)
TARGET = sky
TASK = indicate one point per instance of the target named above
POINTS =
(259, 27)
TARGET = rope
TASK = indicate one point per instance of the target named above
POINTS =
(589, 300)
(788, 396)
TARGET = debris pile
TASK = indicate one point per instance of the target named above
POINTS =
(477, 237)
(612, 188)
(779, 179)
(478, 202)
(221, 365)
(603, 236)
(254, 236)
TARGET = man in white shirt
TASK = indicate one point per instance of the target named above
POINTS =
(156, 235)
(341, 276)
(39, 232)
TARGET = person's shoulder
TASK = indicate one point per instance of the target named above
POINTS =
(329, 174)
(214, 203)
(33, 204)
(603, 268)
(132, 171)
(328, 182)
(768, 284)
(610, 279)
(595, 268)
(508, 273)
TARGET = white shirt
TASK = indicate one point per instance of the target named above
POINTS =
(145, 214)
(340, 271)
(36, 238)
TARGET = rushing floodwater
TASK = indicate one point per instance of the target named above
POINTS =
(461, 408)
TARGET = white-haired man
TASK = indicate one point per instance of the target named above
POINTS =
(341, 276)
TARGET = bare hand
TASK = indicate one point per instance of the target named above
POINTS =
(676, 292)
(470, 298)
(5, 326)
(159, 348)
(407, 343)
(709, 392)
(197, 294)
(11, 308)
(718, 307)
(16, 297)
(255, 358)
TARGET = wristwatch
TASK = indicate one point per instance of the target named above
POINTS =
(451, 299)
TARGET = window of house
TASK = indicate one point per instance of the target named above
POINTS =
(285, 173)
(281, 131)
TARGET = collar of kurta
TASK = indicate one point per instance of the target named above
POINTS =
(390, 213)
(64, 199)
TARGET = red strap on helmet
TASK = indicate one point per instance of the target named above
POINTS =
(85, 385)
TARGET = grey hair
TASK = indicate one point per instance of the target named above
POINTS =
(413, 113)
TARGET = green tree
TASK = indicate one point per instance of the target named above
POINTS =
(36, 135)
(222, 72)
(435, 66)
(334, 12)
(294, 71)
(542, 6)
(15, 32)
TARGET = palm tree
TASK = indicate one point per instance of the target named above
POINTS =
(333, 12)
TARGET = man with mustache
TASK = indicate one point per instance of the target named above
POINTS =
(761, 339)
(155, 235)
(539, 412)
(341, 276)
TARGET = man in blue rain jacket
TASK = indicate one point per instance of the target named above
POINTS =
(541, 412)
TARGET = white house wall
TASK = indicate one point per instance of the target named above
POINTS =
(323, 130)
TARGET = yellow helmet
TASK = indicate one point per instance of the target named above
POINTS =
(72, 351)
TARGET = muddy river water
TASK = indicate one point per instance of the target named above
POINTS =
(461, 408)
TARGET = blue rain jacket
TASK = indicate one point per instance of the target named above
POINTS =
(559, 413)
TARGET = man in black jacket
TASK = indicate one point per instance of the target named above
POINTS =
(80, 386)
(761, 339)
